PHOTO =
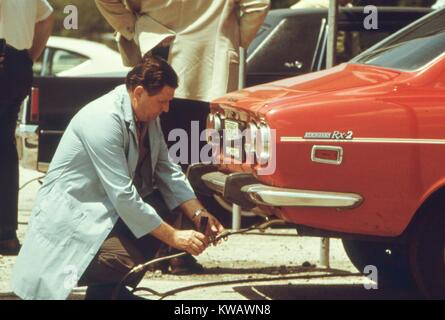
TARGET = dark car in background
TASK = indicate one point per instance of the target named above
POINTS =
(291, 42)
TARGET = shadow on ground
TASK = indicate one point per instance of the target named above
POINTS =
(323, 292)
(265, 270)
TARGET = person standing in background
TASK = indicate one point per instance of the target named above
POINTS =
(199, 38)
(25, 26)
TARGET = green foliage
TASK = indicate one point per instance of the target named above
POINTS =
(91, 23)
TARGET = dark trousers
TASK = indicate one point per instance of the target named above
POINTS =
(120, 252)
(15, 84)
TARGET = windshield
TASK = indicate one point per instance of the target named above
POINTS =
(411, 49)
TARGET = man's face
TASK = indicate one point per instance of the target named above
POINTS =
(148, 107)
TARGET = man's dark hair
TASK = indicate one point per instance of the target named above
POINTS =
(153, 73)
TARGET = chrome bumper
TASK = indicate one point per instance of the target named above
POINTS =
(261, 194)
(280, 197)
(27, 145)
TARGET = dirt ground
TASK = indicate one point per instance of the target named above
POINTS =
(274, 265)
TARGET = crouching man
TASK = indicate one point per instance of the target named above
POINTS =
(110, 187)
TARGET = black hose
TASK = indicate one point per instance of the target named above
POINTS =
(239, 281)
(28, 182)
(142, 268)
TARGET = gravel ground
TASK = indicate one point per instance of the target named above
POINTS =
(276, 264)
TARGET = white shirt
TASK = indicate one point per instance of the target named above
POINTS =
(308, 4)
(18, 18)
(314, 4)
(439, 4)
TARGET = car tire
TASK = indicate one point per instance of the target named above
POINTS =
(390, 259)
(427, 253)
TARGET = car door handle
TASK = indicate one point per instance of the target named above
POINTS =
(293, 65)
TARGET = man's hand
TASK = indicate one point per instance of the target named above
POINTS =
(214, 227)
(191, 241)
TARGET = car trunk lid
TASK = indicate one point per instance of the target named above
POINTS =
(342, 77)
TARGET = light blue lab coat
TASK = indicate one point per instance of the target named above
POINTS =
(87, 188)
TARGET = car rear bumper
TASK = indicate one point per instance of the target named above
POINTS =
(27, 145)
(246, 191)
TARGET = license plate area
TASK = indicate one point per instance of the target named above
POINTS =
(233, 139)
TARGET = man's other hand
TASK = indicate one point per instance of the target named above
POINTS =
(190, 241)
(214, 227)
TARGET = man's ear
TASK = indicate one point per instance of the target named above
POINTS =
(138, 91)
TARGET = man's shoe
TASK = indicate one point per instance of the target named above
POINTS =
(185, 265)
(9, 247)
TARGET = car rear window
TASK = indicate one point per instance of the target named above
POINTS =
(412, 49)
(286, 48)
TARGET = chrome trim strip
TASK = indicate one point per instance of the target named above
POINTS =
(281, 197)
(319, 43)
(52, 132)
(263, 43)
(261, 194)
(339, 151)
(324, 44)
(366, 140)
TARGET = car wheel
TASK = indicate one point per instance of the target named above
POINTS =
(390, 259)
(427, 254)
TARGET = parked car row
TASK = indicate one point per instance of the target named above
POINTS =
(69, 57)
(293, 41)
(354, 152)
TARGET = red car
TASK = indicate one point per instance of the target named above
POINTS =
(355, 152)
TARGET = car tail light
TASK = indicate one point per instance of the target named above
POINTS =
(263, 144)
(35, 104)
(214, 124)
(251, 138)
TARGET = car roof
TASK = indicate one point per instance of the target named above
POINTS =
(288, 12)
(84, 47)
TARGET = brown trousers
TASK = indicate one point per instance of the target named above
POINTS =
(120, 252)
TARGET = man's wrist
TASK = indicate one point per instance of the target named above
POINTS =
(197, 213)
